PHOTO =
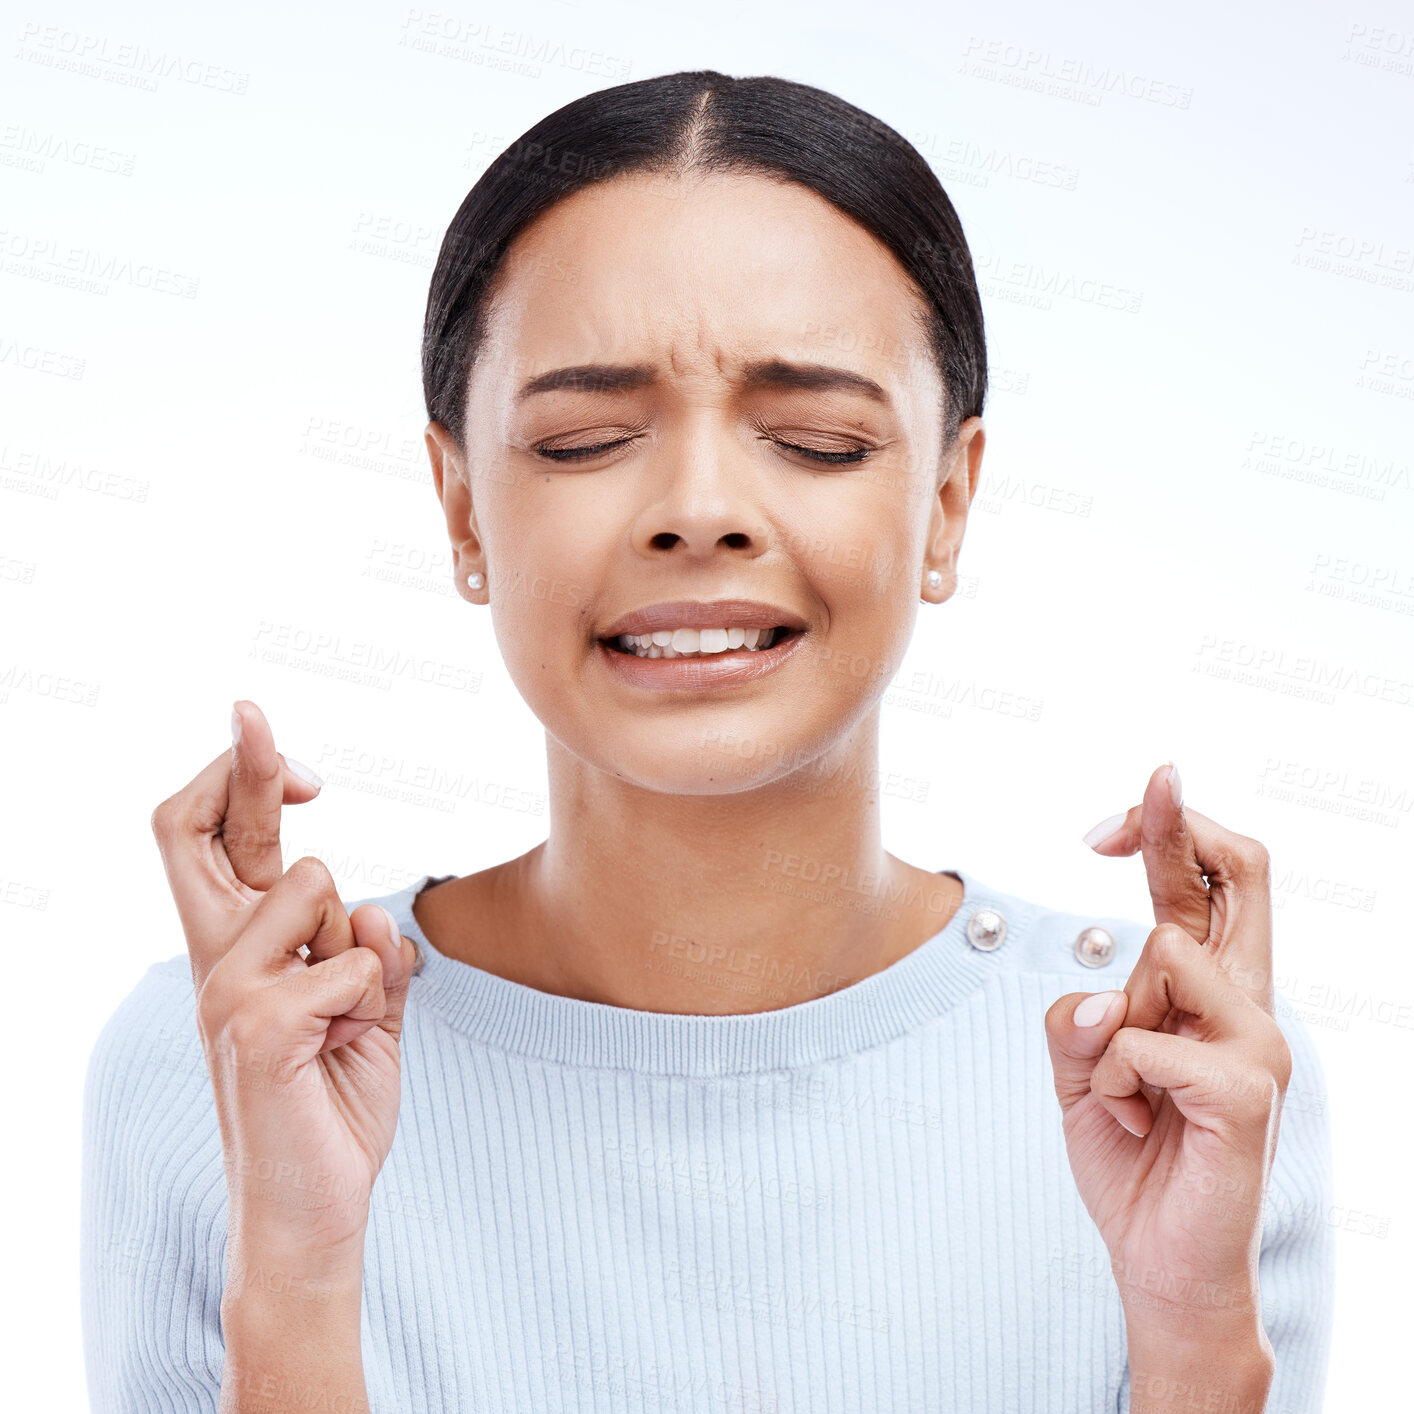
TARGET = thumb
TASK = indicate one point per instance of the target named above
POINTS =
(374, 927)
(1079, 1026)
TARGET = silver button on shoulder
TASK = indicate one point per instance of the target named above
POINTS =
(986, 929)
(1094, 947)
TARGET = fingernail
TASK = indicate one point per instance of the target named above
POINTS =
(235, 726)
(1093, 1010)
(396, 934)
(1175, 786)
(1105, 829)
(304, 773)
(1137, 1133)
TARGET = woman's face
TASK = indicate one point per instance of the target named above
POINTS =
(725, 322)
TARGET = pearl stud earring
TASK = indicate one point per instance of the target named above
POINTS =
(934, 579)
(474, 580)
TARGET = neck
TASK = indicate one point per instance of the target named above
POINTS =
(704, 904)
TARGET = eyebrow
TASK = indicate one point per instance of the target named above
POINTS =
(765, 373)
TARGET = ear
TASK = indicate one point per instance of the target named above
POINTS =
(957, 486)
(453, 487)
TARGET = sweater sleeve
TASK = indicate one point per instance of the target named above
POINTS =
(1296, 1264)
(153, 1207)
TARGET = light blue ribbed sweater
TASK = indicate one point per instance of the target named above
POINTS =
(858, 1203)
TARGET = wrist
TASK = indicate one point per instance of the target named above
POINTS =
(1166, 1308)
(318, 1255)
(1230, 1320)
(273, 1283)
(283, 1206)
(1228, 1368)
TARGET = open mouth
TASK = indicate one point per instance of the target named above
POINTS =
(700, 643)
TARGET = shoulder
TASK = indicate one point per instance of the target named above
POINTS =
(1100, 950)
(1096, 949)
(149, 1113)
(150, 1036)
(153, 1204)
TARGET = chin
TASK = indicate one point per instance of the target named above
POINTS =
(694, 757)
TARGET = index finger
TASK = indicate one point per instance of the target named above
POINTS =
(1172, 974)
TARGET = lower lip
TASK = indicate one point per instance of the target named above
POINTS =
(730, 669)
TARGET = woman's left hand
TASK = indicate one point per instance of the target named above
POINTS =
(1171, 1099)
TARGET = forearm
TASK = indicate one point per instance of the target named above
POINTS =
(291, 1326)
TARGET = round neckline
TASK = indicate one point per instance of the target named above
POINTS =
(910, 992)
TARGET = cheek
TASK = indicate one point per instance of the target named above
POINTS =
(866, 584)
(861, 558)
(539, 580)
(866, 643)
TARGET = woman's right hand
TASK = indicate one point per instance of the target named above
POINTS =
(303, 1051)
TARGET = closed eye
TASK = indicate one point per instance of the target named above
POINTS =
(830, 458)
(565, 454)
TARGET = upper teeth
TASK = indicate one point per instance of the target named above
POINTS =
(678, 642)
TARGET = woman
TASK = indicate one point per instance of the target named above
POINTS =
(707, 1101)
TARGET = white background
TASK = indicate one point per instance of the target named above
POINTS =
(1192, 538)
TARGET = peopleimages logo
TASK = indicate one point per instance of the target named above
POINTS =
(493, 46)
(135, 65)
(1060, 76)
(21, 146)
(56, 262)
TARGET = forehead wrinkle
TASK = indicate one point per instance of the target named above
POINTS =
(774, 372)
(687, 326)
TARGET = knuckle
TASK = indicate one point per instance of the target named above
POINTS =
(371, 975)
(360, 965)
(1126, 1047)
(242, 1031)
(209, 1017)
(1236, 1089)
(213, 1003)
(354, 966)
(1262, 1091)
(1281, 1058)
(311, 874)
(1242, 858)
(1108, 1071)
(1256, 858)
(353, 977)
(236, 1016)
(1169, 946)
(185, 812)
(163, 820)
(261, 834)
(252, 1038)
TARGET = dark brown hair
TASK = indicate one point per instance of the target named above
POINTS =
(705, 121)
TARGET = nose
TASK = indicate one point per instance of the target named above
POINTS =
(704, 500)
